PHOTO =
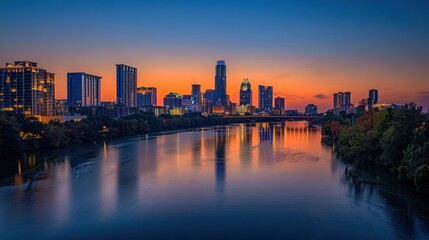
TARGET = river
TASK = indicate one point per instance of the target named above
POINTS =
(233, 182)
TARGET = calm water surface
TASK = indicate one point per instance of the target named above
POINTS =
(237, 182)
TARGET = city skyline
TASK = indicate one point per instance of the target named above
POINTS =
(306, 54)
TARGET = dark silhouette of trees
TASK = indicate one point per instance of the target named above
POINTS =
(19, 134)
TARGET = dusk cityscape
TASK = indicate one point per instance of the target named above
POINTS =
(214, 119)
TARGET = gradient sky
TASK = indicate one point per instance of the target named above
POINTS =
(306, 49)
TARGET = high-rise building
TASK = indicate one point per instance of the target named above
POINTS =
(265, 98)
(347, 98)
(187, 102)
(146, 96)
(197, 97)
(173, 100)
(335, 103)
(209, 95)
(220, 83)
(126, 85)
(27, 89)
(61, 107)
(373, 98)
(310, 110)
(279, 103)
(245, 93)
(83, 90)
(342, 102)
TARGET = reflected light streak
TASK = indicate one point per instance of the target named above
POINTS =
(109, 181)
(62, 191)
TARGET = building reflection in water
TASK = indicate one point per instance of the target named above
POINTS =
(220, 164)
(61, 183)
(265, 151)
(265, 132)
(246, 145)
(109, 180)
(147, 158)
(196, 151)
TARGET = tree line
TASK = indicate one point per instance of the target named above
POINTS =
(19, 134)
(397, 139)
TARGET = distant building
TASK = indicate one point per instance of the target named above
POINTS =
(265, 98)
(172, 100)
(108, 103)
(372, 98)
(197, 99)
(83, 90)
(278, 112)
(219, 109)
(146, 96)
(27, 89)
(187, 103)
(177, 111)
(61, 107)
(220, 83)
(245, 93)
(245, 110)
(116, 111)
(209, 95)
(208, 99)
(310, 110)
(279, 103)
(342, 102)
(126, 85)
(207, 107)
(157, 110)
(292, 113)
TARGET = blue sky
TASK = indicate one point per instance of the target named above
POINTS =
(79, 33)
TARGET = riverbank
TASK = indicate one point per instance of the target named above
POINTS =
(397, 140)
(19, 135)
(22, 140)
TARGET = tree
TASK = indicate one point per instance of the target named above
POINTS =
(10, 141)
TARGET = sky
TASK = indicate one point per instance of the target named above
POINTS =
(306, 50)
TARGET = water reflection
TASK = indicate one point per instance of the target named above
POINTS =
(220, 166)
(108, 180)
(406, 211)
(61, 184)
(146, 165)
(273, 181)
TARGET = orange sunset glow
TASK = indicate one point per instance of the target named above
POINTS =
(298, 80)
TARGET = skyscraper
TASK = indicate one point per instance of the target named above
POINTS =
(220, 83)
(279, 103)
(126, 85)
(197, 97)
(373, 98)
(265, 98)
(146, 96)
(27, 89)
(83, 90)
(245, 93)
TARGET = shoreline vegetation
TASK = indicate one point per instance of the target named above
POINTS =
(19, 135)
(394, 139)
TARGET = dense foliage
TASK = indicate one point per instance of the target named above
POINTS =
(19, 134)
(397, 139)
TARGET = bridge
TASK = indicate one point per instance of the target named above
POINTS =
(255, 118)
